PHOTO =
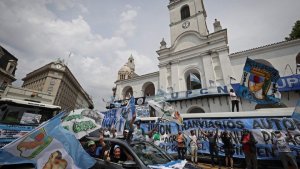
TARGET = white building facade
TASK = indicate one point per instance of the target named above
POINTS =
(196, 54)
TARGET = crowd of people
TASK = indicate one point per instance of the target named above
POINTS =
(134, 132)
(114, 153)
(249, 148)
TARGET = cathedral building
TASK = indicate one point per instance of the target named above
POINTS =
(196, 69)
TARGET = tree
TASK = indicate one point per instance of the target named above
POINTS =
(295, 33)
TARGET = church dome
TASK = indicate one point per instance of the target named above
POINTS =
(125, 68)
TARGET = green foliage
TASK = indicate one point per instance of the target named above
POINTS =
(295, 33)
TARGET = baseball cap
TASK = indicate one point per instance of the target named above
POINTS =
(91, 143)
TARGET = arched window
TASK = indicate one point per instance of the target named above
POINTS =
(185, 12)
(196, 110)
(149, 89)
(127, 92)
(193, 81)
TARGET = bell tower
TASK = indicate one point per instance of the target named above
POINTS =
(130, 63)
(187, 15)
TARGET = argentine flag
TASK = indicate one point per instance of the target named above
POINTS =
(194, 78)
(178, 164)
(130, 108)
(48, 145)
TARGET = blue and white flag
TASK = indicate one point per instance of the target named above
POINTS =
(194, 78)
(258, 83)
(47, 146)
(179, 164)
(296, 113)
(130, 108)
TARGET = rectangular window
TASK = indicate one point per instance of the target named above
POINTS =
(52, 82)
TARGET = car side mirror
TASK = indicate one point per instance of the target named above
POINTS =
(129, 164)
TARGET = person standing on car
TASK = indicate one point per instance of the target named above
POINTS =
(234, 100)
(281, 144)
(194, 147)
(249, 148)
(228, 148)
(180, 146)
(213, 148)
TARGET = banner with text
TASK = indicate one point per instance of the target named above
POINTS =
(116, 118)
(262, 129)
(81, 122)
(9, 133)
(284, 84)
(217, 90)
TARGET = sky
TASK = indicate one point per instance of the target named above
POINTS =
(102, 34)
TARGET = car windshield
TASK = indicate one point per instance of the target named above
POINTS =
(150, 154)
(24, 114)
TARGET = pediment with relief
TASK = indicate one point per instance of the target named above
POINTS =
(188, 40)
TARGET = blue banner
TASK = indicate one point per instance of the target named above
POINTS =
(131, 108)
(261, 128)
(289, 83)
(216, 90)
(258, 83)
(116, 118)
(284, 84)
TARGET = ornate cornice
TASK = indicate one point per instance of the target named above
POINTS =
(277, 45)
(141, 77)
(174, 3)
(168, 54)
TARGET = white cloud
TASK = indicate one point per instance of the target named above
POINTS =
(127, 26)
(38, 36)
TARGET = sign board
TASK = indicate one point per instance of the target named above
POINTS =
(262, 129)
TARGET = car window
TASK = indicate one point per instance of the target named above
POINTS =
(118, 153)
(149, 154)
